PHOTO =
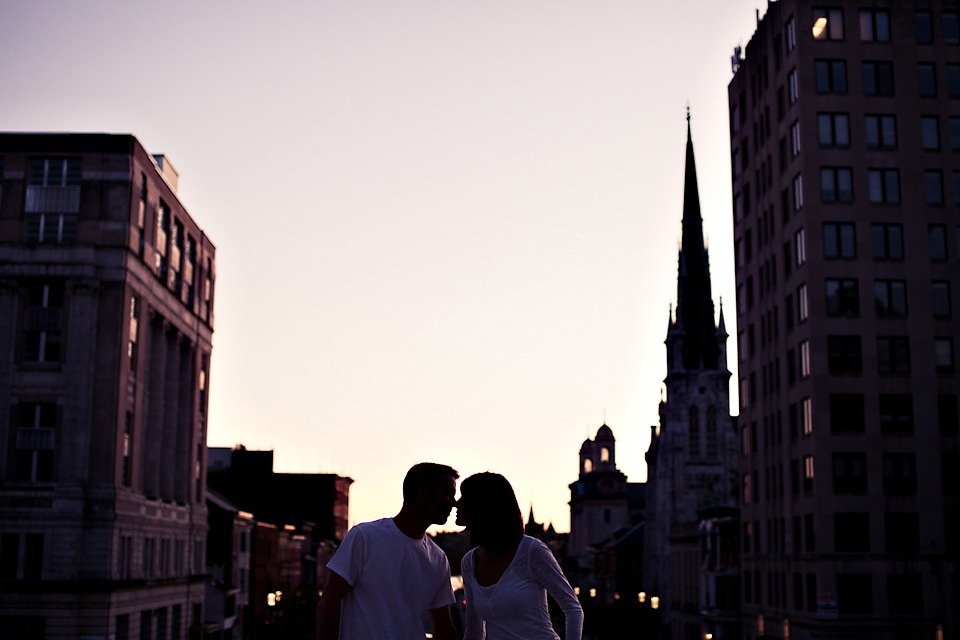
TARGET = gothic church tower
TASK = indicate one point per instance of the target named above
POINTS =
(692, 460)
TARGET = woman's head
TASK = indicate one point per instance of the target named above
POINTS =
(488, 508)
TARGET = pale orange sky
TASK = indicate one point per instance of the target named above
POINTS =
(445, 230)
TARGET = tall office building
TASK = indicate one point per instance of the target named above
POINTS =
(106, 318)
(845, 133)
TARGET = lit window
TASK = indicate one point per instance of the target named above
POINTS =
(793, 87)
(790, 32)
(827, 23)
(803, 306)
(800, 246)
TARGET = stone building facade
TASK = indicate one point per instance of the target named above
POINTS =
(106, 319)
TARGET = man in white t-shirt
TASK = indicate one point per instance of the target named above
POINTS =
(387, 574)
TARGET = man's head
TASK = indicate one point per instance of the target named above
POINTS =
(431, 489)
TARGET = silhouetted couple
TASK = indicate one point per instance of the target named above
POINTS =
(388, 574)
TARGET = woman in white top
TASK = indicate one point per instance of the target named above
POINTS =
(507, 575)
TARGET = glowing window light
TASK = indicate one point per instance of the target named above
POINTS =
(642, 596)
(819, 27)
(654, 602)
(593, 592)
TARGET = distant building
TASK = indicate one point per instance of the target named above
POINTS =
(603, 507)
(317, 503)
(229, 552)
(693, 460)
(106, 318)
(845, 135)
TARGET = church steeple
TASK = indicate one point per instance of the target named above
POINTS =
(694, 298)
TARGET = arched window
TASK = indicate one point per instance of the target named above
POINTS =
(711, 432)
(693, 432)
(604, 454)
(587, 465)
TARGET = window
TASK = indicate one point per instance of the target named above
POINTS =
(803, 305)
(933, 186)
(893, 355)
(890, 298)
(836, 184)
(937, 242)
(807, 474)
(42, 322)
(943, 355)
(948, 417)
(905, 593)
(134, 325)
(827, 23)
(930, 132)
(847, 413)
(952, 73)
(839, 240)
(874, 25)
(804, 359)
(880, 131)
(844, 354)
(806, 417)
(831, 76)
(951, 30)
(940, 298)
(927, 79)
(34, 442)
(887, 241)
(795, 139)
(735, 165)
(790, 34)
(854, 593)
(877, 78)
(793, 87)
(800, 247)
(902, 533)
(833, 129)
(849, 473)
(899, 473)
(851, 532)
(798, 183)
(747, 493)
(843, 297)
(924, 27)
(884, 185)
(896, 413)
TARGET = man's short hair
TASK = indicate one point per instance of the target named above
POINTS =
(428, 475)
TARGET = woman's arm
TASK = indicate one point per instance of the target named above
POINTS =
(547, 572)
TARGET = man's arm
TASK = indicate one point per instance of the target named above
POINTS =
(443, 628)
(328, 611)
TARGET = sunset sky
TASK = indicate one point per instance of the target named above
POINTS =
(445, 230)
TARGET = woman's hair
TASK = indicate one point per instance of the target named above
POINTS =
(492, 513)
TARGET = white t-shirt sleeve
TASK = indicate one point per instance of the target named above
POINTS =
(347, 560)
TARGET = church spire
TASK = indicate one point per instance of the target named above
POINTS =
(694, 298)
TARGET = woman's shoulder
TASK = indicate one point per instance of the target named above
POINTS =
(466, 563)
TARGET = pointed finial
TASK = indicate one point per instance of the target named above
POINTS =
(688, 112)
